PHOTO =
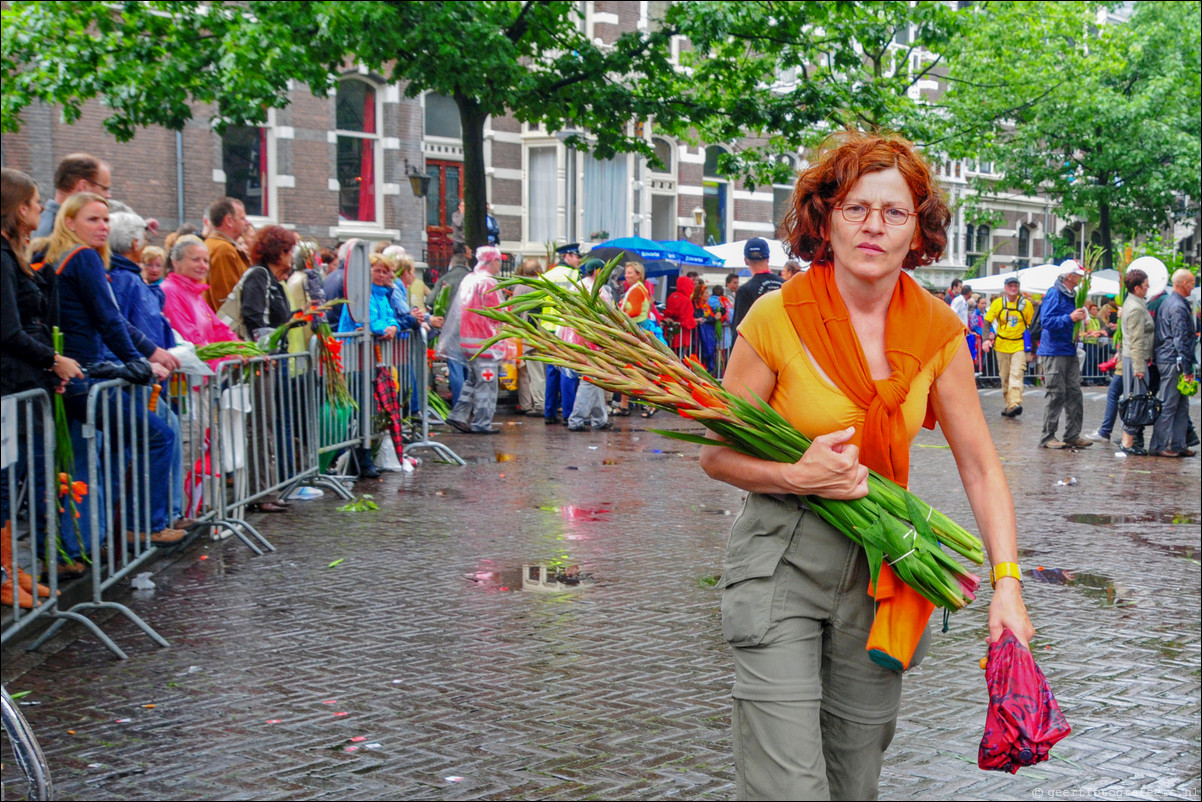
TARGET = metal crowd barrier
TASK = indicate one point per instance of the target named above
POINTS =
(117, 434)
(341, 428)
(425, 416)
(1094, 355)
(694, 346)
(29, 484)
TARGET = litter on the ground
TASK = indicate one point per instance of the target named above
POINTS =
(142, 581)
(358, 739)
(305, 494)
(1069, 482)
(454, 779)
(275, 721)
(339, 561)
(371, 746)
(124, 720)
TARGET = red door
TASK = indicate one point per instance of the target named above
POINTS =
(446, 188)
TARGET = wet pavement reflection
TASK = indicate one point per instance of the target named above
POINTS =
(543, 623)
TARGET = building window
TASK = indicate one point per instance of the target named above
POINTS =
(442, 117)
(604, 200)
(975, 247)
(1065, 245)
(663, 152)
(1024, 242)
(716, 198)
(244, 162)
(358, 157)
(542, 193)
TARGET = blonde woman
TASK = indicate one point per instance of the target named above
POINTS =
(91, 322)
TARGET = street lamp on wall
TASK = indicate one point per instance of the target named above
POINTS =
(419, 181)
(698, 217)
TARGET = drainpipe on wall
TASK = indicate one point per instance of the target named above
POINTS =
(179, 177)
(1045, 231)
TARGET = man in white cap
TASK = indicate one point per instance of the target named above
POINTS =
(1058, 358)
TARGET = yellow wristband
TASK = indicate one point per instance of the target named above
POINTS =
(1005, 569)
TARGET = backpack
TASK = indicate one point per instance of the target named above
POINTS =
(231, 308)
(1031, 336)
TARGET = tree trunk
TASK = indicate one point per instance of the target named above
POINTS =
(1107, 243)
(475, 188)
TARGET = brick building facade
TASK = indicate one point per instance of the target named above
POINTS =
(337, 166)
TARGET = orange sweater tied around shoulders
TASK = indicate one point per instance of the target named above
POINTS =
(917, 327)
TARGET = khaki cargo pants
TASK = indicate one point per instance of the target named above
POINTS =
(813, 714)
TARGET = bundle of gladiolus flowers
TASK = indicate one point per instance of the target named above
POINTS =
(224, 350)
(890, 523)
(70, 492)
(329, 350)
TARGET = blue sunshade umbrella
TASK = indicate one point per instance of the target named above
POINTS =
(644, 249)
(686, 253)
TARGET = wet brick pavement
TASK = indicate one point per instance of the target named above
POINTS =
(407, 671)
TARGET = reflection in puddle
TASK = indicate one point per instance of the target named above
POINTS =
(573, 513)
(1162, 517)
(543, 577)
(1093, 585)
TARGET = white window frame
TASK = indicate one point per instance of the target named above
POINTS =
(272, 188)
(363, 228)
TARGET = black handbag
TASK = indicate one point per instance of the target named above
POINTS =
(1139, 409)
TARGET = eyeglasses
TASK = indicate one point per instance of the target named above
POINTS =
(858, 213)
(98, 184)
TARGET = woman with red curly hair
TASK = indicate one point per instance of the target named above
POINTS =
(857, 356)
(265, 303)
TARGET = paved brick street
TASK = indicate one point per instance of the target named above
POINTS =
(412, 670)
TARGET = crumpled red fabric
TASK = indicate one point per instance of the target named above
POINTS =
(1024, 721)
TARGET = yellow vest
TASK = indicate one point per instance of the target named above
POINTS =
(562, 274)
(1012, 319)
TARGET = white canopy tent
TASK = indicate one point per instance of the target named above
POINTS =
(1039, 279)
(731, 254)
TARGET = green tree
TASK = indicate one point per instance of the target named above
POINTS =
(149, 62)
(1103, 117)
(792, 72)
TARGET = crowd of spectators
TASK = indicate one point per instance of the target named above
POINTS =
(82, 263)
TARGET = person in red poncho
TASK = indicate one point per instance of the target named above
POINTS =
(857, 356)
(679, 309)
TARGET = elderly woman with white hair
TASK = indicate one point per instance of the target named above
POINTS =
(137, 302)
(141, 307)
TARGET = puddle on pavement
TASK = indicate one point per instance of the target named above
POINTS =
(573, 513)
(1162, 517)
(1188, 552)
(1097, 586)
(540, 577)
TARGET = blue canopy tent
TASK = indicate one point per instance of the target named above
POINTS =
(686, 253)
(657, 261)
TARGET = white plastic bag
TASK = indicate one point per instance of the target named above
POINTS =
(386, 460)
(189, 362)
